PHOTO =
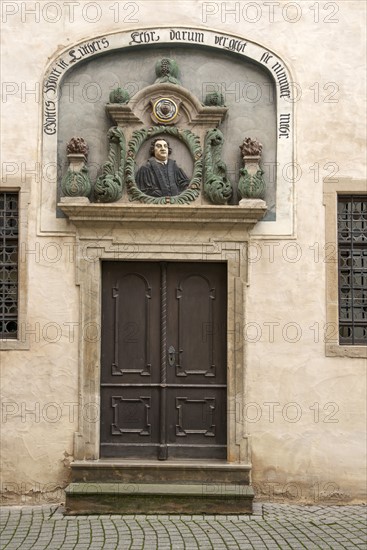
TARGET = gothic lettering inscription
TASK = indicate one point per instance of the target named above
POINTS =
(230, 43)
(147, 37)
(284, 125)
(189, 36)
(280, 74)
(49, 126)
(53, 77)
(143, 37)
(52, 81)
(86, 49)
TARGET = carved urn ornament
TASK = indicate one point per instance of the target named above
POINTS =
(76, 182)
(251, 183)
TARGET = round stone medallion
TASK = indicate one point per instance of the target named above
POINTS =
(165, 110)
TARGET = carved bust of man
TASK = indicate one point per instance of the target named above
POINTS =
(160, 176)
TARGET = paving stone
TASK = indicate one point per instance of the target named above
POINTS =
(272, 526)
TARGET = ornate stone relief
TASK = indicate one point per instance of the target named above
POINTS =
(165, 111)
(167, 71)
(76, 182)
(175, 112)
(251, 183)
(214, 98)
(278, 144)
(109, 186)
(217, 186)
(193, 143)
(119, 96)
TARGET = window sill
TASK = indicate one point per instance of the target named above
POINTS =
(13, 344)
(335, 350)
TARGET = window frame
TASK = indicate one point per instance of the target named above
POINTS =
(9, 239)
(350, 249)
(21, 342)
(332, 189)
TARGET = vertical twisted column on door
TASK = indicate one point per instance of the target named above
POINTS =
(163, 450)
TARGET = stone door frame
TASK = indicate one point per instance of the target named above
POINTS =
(94, 246)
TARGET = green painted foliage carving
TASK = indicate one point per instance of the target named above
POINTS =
(215, 99)
(109, 186)
(76, 183)
(119, 95)
(189, 139)
(166, 70)
(251, 186)
(217, 187)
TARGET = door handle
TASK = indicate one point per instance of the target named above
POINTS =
(171, 356)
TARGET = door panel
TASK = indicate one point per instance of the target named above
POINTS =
(129, 424)
(130, 322)
(196, 422)
(197, 294)
(163, 371)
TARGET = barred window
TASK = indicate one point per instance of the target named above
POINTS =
(9, 210)
(352, 264)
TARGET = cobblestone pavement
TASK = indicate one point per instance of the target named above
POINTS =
(271, 526)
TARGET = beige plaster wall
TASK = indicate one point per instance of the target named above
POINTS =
(313, 448)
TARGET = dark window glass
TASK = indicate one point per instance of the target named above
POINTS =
(8, 265)
(352, 263)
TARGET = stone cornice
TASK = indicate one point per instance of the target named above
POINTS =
(247, 214)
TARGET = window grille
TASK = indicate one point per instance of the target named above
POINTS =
(8, 265)
(352, 264)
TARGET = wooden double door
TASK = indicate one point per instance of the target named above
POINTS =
(163, 360)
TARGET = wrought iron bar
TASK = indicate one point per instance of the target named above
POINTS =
(352, 267)
(9, 265)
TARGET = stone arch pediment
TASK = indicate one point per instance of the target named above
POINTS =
(142, 40)
(193, 112)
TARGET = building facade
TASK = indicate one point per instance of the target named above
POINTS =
(226, 325)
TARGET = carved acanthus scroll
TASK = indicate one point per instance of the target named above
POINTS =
(217, 187)
(109, 186)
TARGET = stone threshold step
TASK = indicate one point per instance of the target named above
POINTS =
(167, 464)
(206, 489)
(158, 498)
(188, 471)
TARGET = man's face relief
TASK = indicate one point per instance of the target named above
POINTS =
(161, 150)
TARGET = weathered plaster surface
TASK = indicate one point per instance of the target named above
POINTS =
(312, 459)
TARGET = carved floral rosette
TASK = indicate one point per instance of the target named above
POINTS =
(193, 144)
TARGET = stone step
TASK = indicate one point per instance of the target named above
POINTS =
(153, 471)
(158, 498)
